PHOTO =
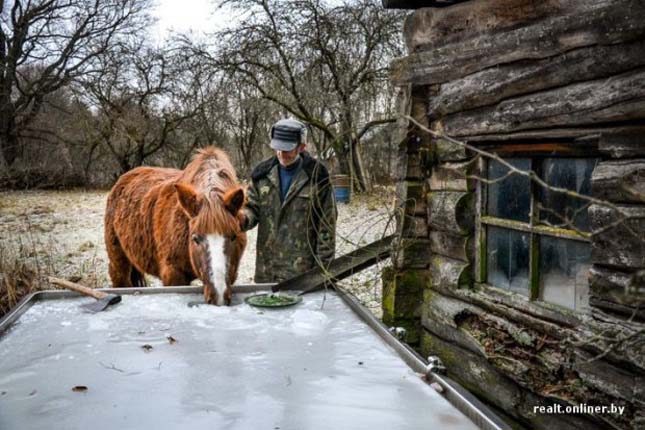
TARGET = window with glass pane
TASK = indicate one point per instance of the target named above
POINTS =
(559, 209)
(509, 194)
(519, 220)
(508, 259)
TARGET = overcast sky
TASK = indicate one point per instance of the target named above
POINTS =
(186, 15)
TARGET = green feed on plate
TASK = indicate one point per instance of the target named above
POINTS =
(272, 300)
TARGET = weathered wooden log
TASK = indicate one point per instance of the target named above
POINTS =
(415, 4)
(411, 254)
(444, 150)
(610, 306)
(414, 226)
(474, 328)
(403, 293)
(403, 104)
(515, 308)
(607, 378)
(589, 135)
(452, 176)
(466, 324)
(449, 274)
(431, 28)
(411, 198)
(451, 245)
(617, 236)
(620, 181)
(451, 211)
(438, 316)
(510, 347)
(619, 98)
(578, 24)
(492, 85)
(481, 378)
(614, 291)
(623, 143)
(553, 321)
(472, 371)
(414, 164)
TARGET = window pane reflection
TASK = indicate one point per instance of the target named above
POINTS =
(508, 259)
(509, 198)
(564, 269)
(573, 174)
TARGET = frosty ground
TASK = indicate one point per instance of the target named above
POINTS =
(61, 233)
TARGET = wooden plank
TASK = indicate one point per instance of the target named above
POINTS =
(495, 84)
(619, 98)
(339, 268)
(437, 59)
(620, 181)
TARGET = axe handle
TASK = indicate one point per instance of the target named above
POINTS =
(78, 288)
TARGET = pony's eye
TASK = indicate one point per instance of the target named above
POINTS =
(233, 237)
(197, 239)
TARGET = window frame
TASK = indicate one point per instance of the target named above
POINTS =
(537, 153)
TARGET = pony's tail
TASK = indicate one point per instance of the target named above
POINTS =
(137, 279)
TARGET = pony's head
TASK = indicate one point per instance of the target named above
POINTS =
(216, 241)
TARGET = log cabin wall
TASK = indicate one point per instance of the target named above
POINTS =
(522, 78)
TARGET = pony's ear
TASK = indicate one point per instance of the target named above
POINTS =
(189, 199)
(233, 200)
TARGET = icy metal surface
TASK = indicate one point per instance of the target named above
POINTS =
(303, 367)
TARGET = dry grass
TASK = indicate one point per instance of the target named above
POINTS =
(18, 277)
(49, 233)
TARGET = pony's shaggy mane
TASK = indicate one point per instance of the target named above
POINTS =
(210, 171)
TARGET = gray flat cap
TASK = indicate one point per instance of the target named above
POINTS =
(286, 134)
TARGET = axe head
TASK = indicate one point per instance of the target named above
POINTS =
(100, 304)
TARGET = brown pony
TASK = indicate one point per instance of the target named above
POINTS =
(177, 225)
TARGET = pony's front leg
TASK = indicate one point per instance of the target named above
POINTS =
(171, 276)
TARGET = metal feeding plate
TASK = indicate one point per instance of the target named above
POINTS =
(153, 362)
(272, 300)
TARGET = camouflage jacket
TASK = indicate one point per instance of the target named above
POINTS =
(299, 234)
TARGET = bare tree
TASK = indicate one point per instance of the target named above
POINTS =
(315, 62)
(62, 38)
(140, 101)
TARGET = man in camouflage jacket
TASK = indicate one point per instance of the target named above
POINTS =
(292, 200)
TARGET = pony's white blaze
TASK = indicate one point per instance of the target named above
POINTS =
(217, 265)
